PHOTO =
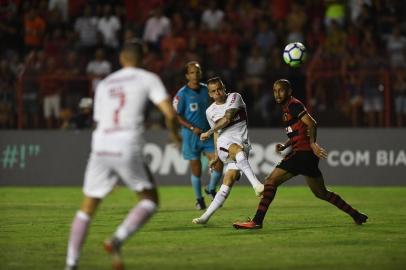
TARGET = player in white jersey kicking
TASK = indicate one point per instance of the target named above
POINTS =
(227, 117)
(116, 151)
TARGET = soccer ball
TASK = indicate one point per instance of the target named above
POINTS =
(294, 54)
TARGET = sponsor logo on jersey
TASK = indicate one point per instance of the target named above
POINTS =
(193, 107)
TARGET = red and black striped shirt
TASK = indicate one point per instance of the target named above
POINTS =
(296, 130)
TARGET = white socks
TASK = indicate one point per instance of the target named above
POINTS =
(243, 164)
(78, 233)
(137, 217)
(217, 202)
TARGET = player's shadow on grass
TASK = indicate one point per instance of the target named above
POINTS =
(188, 227)
(175, 210)
(274, 230)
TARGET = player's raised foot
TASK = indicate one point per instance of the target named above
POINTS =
(360, 218)
(199, 220)
(247, 225)
(200, 204)
(210, 193)
(113, 247)
(259, 190)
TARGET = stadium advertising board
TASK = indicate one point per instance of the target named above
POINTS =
(356, 157)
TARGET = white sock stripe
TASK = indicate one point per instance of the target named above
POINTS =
(82, 215)
(224, 188)
(148, 205)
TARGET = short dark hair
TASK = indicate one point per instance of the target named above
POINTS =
(186, 68)
(285, 83)
(133, 47)
(214, 80)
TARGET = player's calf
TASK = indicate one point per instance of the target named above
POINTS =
(335, 199)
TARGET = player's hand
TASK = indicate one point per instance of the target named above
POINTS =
(197, 131)
(204, 136)
(213, 163)
(280, 147)
(319, 151)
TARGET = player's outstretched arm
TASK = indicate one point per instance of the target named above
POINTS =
(312, 128)
(221, 123)
(171, 121)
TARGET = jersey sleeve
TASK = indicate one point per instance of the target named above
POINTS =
(297, 110)
(179, 103)
(208, 116)
(234, 101)
(157, 89)
(97, 102)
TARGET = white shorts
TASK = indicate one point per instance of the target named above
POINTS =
(52, 106)
(105, 168)
(223, 143)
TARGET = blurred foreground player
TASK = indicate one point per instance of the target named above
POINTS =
(304, 158)
(227, 117)
(116, 151)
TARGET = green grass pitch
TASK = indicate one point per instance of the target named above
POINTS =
(300, 231)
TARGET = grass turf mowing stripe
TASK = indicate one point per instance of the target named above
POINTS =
(299, 231)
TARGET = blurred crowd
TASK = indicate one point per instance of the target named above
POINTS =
(54, 53)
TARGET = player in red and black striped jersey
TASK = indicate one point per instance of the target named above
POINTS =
(301, 130)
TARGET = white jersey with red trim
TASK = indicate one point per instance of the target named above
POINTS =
(120, 100)
(236, 131)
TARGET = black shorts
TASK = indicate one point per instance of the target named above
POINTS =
(301, 162)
